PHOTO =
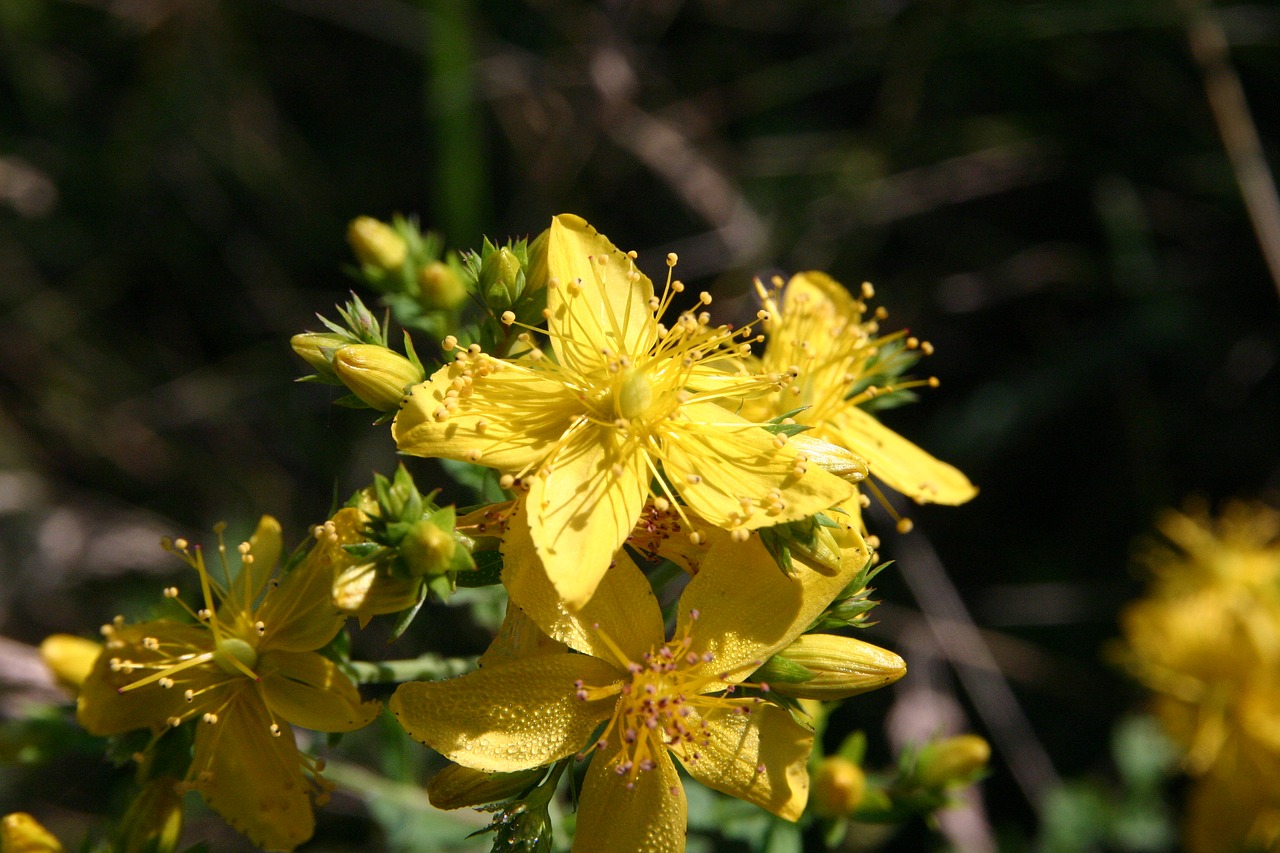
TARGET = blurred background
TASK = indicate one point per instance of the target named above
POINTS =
(1041, 189)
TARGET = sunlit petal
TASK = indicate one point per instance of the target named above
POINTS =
(581, 512)
(749, 608)
(623, 601)
(733, 474)
(508, 717)
(648, 817)
(899, 463)
(594, 306)
(506, 418)
(759, 757)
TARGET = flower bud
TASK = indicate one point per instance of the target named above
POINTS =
(427, 549)
(376, 243)
(69, 658)
(21, 833)
(377, 375)
(830, 457)
(502, 279)
(952, 762)
(317, 349)
(838, 787)
(440, 287)
(841, 667)
(456, 786)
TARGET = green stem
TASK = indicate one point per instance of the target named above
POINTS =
(427, 667)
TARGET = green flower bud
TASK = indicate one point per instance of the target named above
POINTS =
(838, 787)
(502, 279)
(456, 786)
(427, 549)
(440, 287)
(317, 349)
(841, 667)
(376, 243)
(377, 375)
(952, 762)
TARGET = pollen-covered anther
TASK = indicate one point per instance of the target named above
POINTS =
(189, 695)
(203, 614)
(739, 534)
(508, 317)
(440, 415)
(275, 730)
(260, 627)
(180, 544)
(166, 683)
(151, 644)
(779, 441)
(661, 504)
(905, 525)
(173, 722)
(210, 718)
(696, 537)
(473, 454)
(926, 348)
(449, 344)
(692, 479)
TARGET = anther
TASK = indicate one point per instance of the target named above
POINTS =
(210, 718)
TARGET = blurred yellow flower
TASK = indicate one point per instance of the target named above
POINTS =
(554, 676)
(627, 409)
(244, 671)
(1206, 642)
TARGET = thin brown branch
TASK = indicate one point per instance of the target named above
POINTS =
(1239, 134)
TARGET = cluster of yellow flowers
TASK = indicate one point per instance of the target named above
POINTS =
(1206, 641)
(619, 439)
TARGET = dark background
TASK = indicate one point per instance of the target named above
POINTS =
(1040, 189)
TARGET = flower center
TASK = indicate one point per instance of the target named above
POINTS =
(634, 394)
(231, 650)
(660, 708)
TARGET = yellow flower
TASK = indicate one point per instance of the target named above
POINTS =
(627, 409)
(244, 671)
(534, 702)
(821, 329)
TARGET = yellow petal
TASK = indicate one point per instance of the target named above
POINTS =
(367, 590)
(749, 608)
(759, 757)
(508, 717)
(716, 459)
(299, 615)
(69, 658)
(623, 604)
(583, 510)
(265, 545)
(308, 690)
(519, 637)
(817, 288)
(21, 833)
(899, 463)
(103, 710)
(594, 306)
(252, 779)
(511, 417)
(650, 817)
